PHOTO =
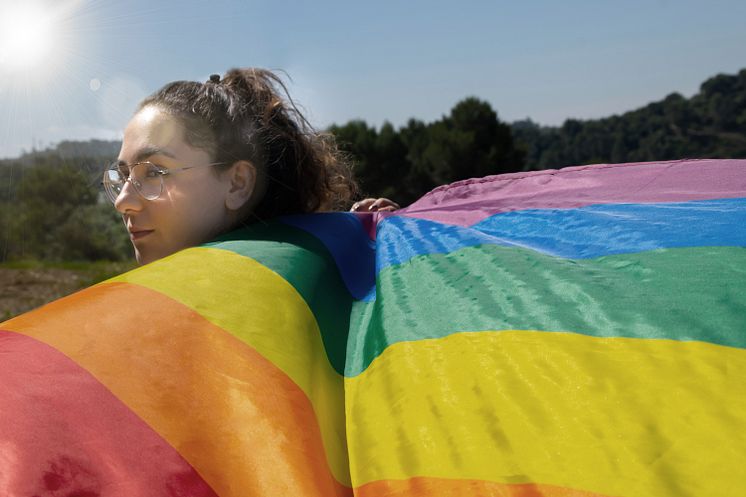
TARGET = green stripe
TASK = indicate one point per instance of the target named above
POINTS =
(304, 262)
(681, 294)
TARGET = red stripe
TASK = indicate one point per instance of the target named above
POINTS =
(63, 433)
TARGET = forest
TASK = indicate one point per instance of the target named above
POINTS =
(52, 207)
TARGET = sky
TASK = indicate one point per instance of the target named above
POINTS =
(76, 69)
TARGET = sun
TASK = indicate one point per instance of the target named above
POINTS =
(27, 36)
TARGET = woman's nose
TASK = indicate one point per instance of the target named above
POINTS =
(128, 199)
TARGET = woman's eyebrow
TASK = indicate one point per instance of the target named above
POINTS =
(146, 152)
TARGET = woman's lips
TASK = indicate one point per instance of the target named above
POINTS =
(137, 234)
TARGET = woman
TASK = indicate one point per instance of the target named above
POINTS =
(200, 159)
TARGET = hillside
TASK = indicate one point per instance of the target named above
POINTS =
(711, 123)
(70, 149)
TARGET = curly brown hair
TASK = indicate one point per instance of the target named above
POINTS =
(249, 115)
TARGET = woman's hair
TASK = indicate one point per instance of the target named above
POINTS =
(249, 115)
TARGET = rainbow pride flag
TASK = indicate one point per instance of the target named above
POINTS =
(578, 332)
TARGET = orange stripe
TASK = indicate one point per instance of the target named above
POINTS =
(442, 487)
(235, 417)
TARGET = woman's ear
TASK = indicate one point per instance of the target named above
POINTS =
(242, 178)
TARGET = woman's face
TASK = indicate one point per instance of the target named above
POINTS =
(192, 206)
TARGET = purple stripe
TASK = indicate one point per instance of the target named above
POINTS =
(468, 202)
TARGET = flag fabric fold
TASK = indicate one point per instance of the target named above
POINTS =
(578, 332)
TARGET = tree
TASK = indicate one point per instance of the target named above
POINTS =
(469, 142)
(378, 156)
(46, 196)
(405, 164)
(91, 232)
(52, 212)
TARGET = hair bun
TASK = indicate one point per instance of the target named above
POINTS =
(215, 78)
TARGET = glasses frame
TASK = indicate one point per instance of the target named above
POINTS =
(113, 195)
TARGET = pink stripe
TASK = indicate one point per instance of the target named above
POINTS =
(467, 202)
(63, 433)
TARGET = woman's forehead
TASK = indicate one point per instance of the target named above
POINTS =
(159, 129)
(154, 132)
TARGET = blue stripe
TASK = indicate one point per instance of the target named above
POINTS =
(581, 233)
(348, 242)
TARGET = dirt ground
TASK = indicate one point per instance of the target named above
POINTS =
(24, 289)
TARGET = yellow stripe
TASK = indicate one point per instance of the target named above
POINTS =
(617, 416)
(263, 310)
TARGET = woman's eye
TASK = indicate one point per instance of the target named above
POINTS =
(153, 172)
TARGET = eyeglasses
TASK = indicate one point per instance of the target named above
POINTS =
(146, 177)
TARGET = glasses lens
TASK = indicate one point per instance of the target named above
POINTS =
(113, 183)
(145, 177)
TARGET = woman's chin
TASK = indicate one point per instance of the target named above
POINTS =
(145, 253)
(146, 256)
(140, 257)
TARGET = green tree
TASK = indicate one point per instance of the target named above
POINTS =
(91, 232)
(377, 156)
(52, 210)
(470, 142)
(404, 164)
(47, 195)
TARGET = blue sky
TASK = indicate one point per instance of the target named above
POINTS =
(376, 61)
